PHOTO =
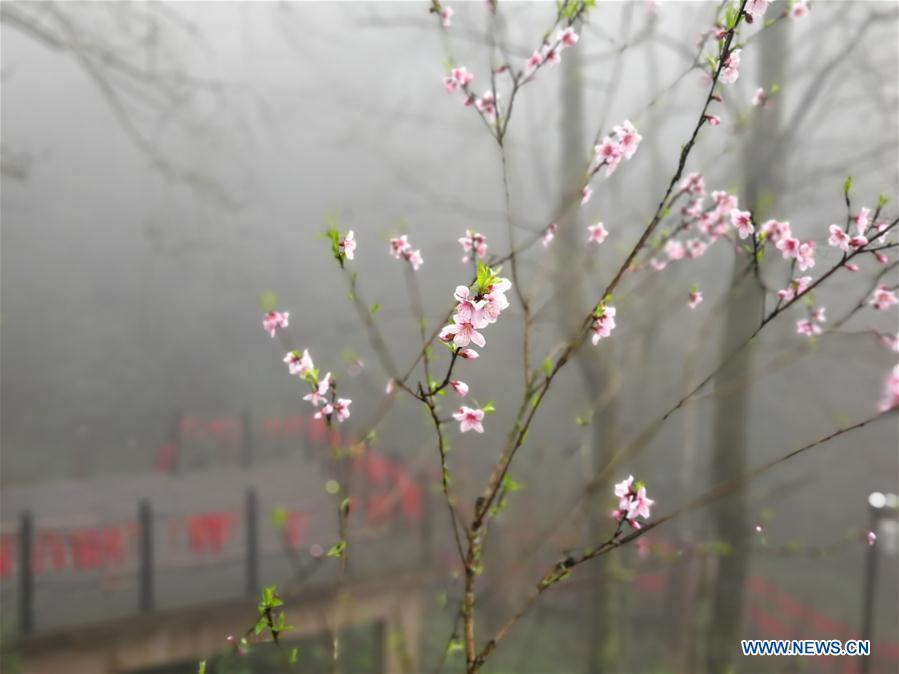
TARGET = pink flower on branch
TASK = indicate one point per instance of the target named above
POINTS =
(299, 364)
(632, 502)
(596, 233)
(603, 323)
(273, 320)
(469, 419)
(460, 387)
(348, 245)
(883, 298)
(474, 243)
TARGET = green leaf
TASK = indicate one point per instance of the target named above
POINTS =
(511, 485)
(201, 667)
(847, 185)
(547, 366)
(374, 308)
(268, 300)
(294, 652)
(260, 625)
(337, 550)
(489, 407)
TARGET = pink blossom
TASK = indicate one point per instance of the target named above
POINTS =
(857, 242)
(348, 245)
(464, 331)
(597, 233)
(391, 386)
(325, 411)
(628, 138)
(474, 243)
(608, 152)
(890, 341)
(819, 314)
(552, 55)
(775, 230)
(742, 220)
(759, 98)
(806, 256)
(450, 84)
(797, 287)
(550, 234)
(755, 9)
(398, 246)
(731, 71)
(890, 399)
(461, 75)
(470, 419)
(586, 193)
(534, 62)
(883, 298)
(318, 395)
(414, 258)
(468, 354)
(675, 250)
(789, 247)
(603, 324)
(807, 328)
(274, 320)
(694, 184)
(862, 219)
(623, 488)
(696, 247)
(851, 266)
(342, 409)
(568, 38)
(632, 502)
(299, 364)
(871, 538)
(446, 16)
(694, 299)
(460, 387)
(714, 120)
(838, 238)
(799, 9)
(657, 264)
(487, 105)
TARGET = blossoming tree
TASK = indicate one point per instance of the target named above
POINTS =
(688, 220)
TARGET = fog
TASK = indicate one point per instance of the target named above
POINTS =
(169, 170)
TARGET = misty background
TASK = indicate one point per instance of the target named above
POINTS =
(167, 165)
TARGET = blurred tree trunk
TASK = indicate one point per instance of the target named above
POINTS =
(761, 167)
(570, 271)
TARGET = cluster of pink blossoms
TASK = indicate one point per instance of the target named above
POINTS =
(322, 394)
(702, 226)
(474, 243)
(603, 323)
(621, 144)
(632, 502)
(274, 320)
(551, 50)
(401, 249)
(475, 311)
